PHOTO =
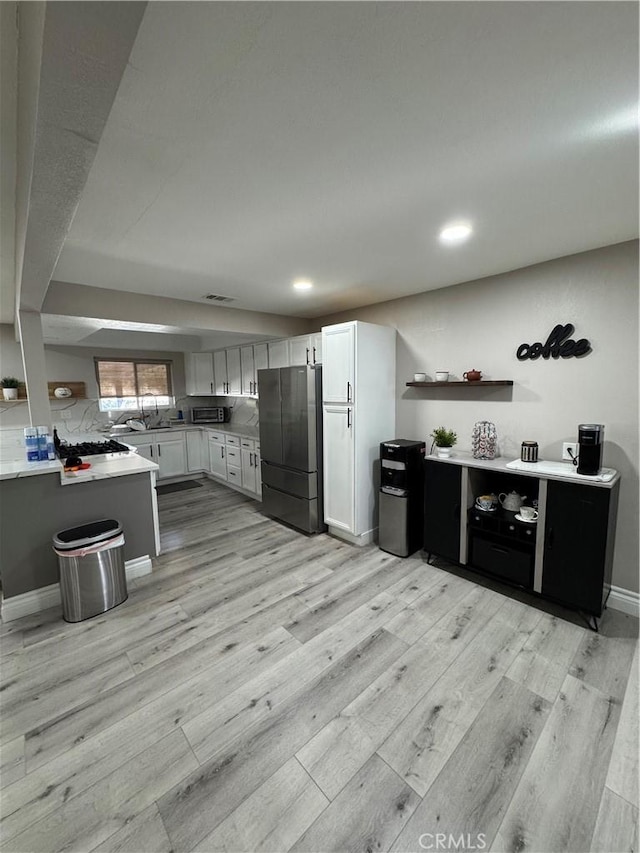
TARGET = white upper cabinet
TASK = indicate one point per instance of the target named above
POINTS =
(252, 359)
(234, 374)
(220, 371)
(338, 363)
(199, 373)
(279, 353)
(306, 349)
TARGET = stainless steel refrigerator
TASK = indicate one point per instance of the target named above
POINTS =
(290, 401)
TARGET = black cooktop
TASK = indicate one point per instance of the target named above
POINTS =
(91, 448)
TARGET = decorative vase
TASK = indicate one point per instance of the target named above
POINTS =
(10, 393)
(484, 440)
(443, 452)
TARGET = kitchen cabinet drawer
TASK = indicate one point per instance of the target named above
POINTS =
(218, 437)
(503, 560)
(234, 474)
(233, 456)
(247, 443)
(233, 440)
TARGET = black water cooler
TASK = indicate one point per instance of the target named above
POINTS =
(401, 508)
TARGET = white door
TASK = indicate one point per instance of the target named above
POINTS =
(300, 350)
(145, 450)
(171, 458)
(338, 349)
(248, 370)
(217, 459)
(339, 493)
(220, 371)
(278, 353)
(194, 440)
(248, 470)
(199, 373)
(234, 374)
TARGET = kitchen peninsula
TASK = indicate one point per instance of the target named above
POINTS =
(39, 499)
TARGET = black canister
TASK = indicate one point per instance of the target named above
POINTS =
(529, 451)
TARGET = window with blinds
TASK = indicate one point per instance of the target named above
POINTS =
(133, 384)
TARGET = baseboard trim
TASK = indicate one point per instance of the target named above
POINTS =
(37, 600)
(363, 539)
(624, 600)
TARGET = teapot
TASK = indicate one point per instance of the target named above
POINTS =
(511, 502)
(472, 375)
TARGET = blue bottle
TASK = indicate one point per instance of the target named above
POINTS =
(31, 444)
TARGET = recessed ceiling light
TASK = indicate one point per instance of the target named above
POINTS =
(303, 284)
(457, 232)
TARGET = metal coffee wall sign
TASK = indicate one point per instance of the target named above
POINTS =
(559, 344)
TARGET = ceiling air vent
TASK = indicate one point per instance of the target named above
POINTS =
(214, 297)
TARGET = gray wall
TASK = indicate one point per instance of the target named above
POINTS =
(35, 508)
(480, 324)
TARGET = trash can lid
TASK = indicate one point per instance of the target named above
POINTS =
(87, 534)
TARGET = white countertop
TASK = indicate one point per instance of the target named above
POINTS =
(549, 470)
(13, 463)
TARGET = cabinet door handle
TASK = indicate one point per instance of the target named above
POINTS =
(151, 448)
(159, 450)
(348, 418)
(348, 392)
(550, 538)
(314, 355)
(307, 355)
(222, 449)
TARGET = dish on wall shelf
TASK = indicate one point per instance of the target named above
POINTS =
(480, 383)
(78, 392)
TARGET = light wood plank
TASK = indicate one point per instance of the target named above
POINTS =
(366, 816)
(471, 794)
(616, 827)
(422, 744)
(418, 618)
(604, 662)
(108, 806)
(219, 726)
(556, 803)
(205, 798)
(343, 746)
(144, 834)
(623, 773)
(222, 659)
(545, 658)
(12, 763)
(104, 750)
(272, 818)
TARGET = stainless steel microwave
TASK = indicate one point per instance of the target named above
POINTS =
(210, 415)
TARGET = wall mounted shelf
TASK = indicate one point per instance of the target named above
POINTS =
(482, 383)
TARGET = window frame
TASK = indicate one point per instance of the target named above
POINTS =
(140, 398)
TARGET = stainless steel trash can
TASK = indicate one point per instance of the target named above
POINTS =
(91, 562)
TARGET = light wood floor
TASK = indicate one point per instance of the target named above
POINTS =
(262, 690)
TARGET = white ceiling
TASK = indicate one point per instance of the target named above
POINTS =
(253, 143)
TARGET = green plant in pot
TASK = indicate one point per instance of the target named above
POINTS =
(10, 387)
(444, 439)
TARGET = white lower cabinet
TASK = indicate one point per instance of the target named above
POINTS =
(251, 479)
(168, 452)
(234, 460)
(195, 441)
(217, 455)
(339, 481)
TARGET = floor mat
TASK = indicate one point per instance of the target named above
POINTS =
(178, 487)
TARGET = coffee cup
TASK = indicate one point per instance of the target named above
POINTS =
(486, 502)
(442, 375)
(529, 513)
(419, 377)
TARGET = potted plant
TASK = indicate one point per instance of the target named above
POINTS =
(10, 387)
(444, 439)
